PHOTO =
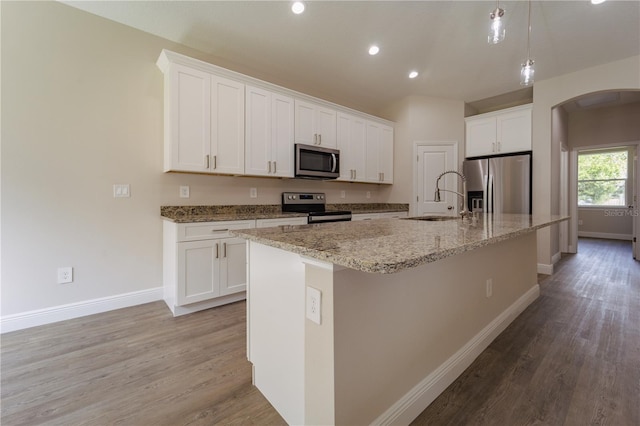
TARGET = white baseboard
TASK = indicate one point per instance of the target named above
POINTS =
(405, 410)
(556, 258)
(605, 235)
(546, 269)
(75, 310)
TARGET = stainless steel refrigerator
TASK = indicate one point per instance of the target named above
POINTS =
(499, 184)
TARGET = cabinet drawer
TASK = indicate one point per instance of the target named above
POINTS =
(211, 230)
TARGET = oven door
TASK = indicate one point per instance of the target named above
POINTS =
(314, 162)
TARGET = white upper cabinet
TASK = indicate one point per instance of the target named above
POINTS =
(204, 119)
(315, 124)
(187, 119)
(379, 155)
(269, 133)
(352, 139)
(499, 132)
(220, 121)
(227, 126)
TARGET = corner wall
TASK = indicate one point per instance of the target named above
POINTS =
(619, 75)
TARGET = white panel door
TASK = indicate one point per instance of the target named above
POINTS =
(326, 127)
(258, 131)
(227, 126)
(432, 160)
(514, 131)
(305, 123)
(198, 271)
(282, 136)
(189, 112)
(233, 266)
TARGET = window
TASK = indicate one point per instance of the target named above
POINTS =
(603, 177)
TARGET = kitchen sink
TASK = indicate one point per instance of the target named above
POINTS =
(433, 218)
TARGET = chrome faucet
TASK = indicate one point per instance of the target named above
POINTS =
(463, 212)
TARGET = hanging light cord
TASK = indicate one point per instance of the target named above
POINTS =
(529, 34)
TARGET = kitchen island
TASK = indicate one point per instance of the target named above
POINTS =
(405, 307)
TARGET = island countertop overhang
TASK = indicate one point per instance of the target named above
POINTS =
(391, 245)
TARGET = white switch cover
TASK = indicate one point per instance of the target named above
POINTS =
(343, 194)
(368, 194)
(121, 190)
(184, 192)
(253, 192)
(314, 304)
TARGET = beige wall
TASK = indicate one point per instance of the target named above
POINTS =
(623, 74)
(604, 126)
(420, 118)
(605, 223)
(82, 109)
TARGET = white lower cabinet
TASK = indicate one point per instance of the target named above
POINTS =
(204, 266)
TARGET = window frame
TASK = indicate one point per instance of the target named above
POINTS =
(628, 180)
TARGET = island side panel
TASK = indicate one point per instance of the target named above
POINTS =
(276, 328)
(391, 332)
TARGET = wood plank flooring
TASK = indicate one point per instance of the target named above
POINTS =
(572, 358)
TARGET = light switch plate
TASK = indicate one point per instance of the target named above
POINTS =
(184, 192)
(253, 192)
(121, 190)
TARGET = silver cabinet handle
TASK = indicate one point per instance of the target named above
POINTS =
(269, 168)
(217, 254)
(334, 163)
(220, 230)
(499, 147)
(215, 162)
(320, 139)
(493, 147)
(207, 160)
(224, 249)
(315, 139)
(275, 167)
(355, 174)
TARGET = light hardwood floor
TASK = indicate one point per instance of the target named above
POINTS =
(572, 358)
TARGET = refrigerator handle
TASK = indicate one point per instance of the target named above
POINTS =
(490, 195)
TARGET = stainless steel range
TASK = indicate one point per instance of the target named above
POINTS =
(313, 203)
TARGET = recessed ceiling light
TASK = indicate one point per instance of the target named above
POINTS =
(373, 50)
(597, 1)
(413, 74)
(297, 7)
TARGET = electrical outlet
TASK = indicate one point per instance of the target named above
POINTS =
(579, 222)
(343, 194)
(253, 192)
(65, 275)
(184, 192)
(489, 287)
(314, 304)
(121, 190)
(368, 194)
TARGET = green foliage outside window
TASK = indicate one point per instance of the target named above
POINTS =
(602, 178)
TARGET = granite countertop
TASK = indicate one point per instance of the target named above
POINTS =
(391, 245)
(191, 214)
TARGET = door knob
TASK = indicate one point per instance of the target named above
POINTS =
(449, 207)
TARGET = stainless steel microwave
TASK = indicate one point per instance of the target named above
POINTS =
(315, 162)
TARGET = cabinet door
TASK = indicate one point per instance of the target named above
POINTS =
(386, 154)
(351, 138)
(227, 126)
(305, 123)
(481, 136)
(282, 135)
(188, 114)
(326, 127)
(197, 271)
(373, 152)
(514, 131)
(233, 266)
(258, 132)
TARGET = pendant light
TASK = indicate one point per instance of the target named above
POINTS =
(527, 71)
(496, 29)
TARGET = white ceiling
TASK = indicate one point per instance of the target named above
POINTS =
(323, 52)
